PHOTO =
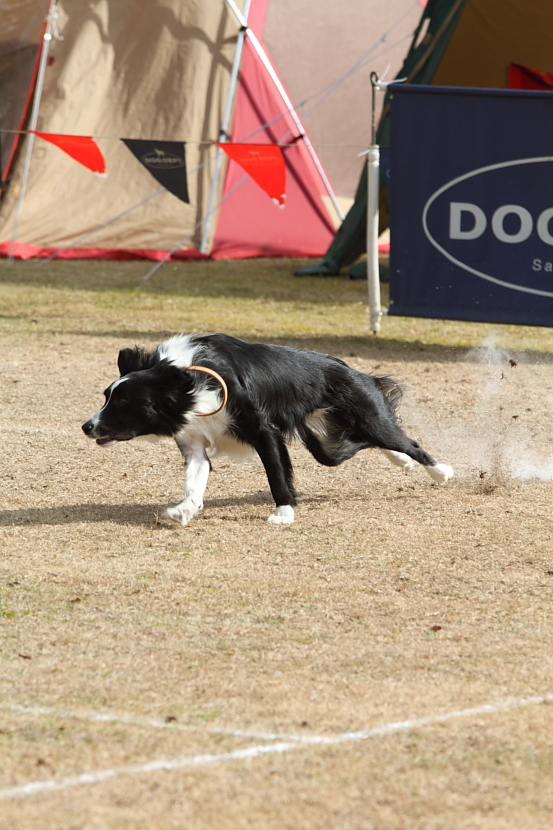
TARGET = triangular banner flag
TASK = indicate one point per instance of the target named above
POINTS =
(165, 160)
(79, 147)
(264, 163)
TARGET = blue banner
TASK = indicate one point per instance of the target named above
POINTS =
(471, 204)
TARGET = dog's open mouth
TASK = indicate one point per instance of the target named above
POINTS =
(103, 442)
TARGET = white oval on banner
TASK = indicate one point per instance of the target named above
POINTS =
(463, 265)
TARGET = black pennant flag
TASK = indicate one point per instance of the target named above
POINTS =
(165, 160)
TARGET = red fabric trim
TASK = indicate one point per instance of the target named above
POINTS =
(245, 251)
(21, 250)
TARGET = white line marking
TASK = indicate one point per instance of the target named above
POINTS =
(34, 787)
(130, 720)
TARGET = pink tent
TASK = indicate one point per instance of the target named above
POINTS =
(303, 227)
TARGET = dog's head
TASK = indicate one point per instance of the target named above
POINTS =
(151, 397)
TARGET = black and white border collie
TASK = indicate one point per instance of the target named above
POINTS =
(275, 394)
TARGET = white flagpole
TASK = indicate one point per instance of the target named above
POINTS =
(50, 31)
(373, 188)
(373, 176)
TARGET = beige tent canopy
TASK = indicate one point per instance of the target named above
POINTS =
(164, 71)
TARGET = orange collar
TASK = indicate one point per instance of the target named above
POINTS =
(218, 378)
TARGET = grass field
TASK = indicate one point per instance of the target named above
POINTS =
(384, 663)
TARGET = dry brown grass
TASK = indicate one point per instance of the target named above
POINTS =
(389, 599)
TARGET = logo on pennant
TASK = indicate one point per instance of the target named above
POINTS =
(264, 163)
(160, 160)
(165, 160)
(81, 148)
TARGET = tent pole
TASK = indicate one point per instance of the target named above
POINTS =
(223, 132)
(282, 92)
(49, 32)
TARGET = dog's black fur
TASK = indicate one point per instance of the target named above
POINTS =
(276, 394)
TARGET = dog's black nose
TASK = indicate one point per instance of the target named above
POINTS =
(88, 427)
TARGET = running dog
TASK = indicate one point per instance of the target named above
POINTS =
(215, 393)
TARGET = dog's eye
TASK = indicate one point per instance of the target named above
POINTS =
(120, 402)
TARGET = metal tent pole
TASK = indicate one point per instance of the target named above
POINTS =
(50, 31)
(223, 132)
(290, 107)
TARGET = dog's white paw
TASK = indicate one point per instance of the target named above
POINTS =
(183, 513)
(283, 515)
(440, 472)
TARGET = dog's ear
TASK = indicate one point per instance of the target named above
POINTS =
(134, 360)
(174, 377)
(174, 385)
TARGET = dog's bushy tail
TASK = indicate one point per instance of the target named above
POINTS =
(391, 390)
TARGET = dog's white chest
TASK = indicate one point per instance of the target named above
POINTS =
(212, 434)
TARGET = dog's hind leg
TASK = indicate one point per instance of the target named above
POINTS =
(372, 420)
(378, 427)
(333, 438)
(196, 473)
(405, 452)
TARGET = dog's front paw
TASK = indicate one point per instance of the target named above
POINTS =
(183, 513)
(283, 515)
(440, 472)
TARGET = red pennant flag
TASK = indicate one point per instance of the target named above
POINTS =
(81, 148)
(264, 163)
